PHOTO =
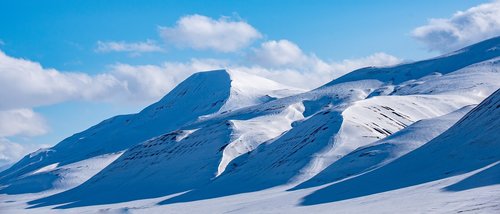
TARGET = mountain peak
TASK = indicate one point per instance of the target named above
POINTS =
(226, 90)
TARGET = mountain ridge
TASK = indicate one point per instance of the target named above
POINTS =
(446, 63)
(225, 133)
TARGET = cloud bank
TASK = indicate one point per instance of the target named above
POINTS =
(134, 47)
(279, 53)
(462, 29)
(285, 62)
(203, 33)
(27, 84)
(21, 122)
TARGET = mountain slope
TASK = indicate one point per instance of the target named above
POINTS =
(201, 94)
(379, 153)
(223, 134)
(471, 144)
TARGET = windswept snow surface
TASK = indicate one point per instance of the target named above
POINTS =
(376, 140)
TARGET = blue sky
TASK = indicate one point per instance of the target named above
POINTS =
(63, 34)
(96, 59)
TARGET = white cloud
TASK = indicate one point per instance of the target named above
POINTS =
(21, 122)
(278, 53)
(26, 84)
(11, 152)
(154, 81)
(147, 83)
(201, 32)
(462, 29)
(285, 62)
(317, 72)
(121, 46)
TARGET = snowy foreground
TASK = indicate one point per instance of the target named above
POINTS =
(421, 137)
(425, 198)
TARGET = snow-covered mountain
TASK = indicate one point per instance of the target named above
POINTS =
(202, 94)
(230, 137)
